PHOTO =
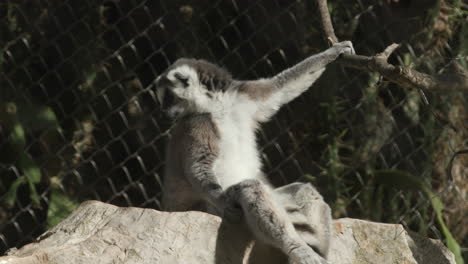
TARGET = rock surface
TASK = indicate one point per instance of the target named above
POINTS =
(101, 233)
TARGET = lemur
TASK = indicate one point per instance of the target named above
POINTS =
(212, 160)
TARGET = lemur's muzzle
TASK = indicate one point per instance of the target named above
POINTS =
(164, 97)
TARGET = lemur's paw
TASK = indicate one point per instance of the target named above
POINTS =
(345, 47)
(305, 255)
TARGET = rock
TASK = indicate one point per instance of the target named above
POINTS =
(358, 241)
(101, 233)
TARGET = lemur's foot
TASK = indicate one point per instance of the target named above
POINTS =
(305, 255)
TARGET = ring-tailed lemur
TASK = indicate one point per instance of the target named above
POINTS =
(213, 163)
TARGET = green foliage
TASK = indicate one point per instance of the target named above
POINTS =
(17, 136)
(401, 180)
(60, 206)
(10, 197)
(334, 158)
(20, 118)
(451, 243)
(31, 176)
(30, 131)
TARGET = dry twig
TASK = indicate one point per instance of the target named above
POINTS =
(403, 76)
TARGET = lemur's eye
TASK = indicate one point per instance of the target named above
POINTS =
(182, 79)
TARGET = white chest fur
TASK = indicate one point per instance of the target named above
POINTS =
(238, 158)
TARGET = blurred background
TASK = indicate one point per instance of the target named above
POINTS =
(79, 119)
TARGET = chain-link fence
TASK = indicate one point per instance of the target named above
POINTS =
(79, 119)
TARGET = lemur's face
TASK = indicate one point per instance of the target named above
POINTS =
(190, 85)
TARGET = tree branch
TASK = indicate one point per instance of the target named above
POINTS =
(403, 76)
(327, 25)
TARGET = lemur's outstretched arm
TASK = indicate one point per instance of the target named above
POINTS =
(270, 94)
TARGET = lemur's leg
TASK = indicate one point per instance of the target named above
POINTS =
(270, 223)
(308, 212)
